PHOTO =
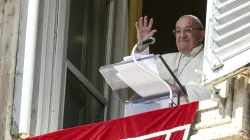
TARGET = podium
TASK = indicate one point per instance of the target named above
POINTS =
(139, 90)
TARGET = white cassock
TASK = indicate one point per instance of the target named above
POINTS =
(184, 69)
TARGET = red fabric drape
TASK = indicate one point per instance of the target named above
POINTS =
(130, 127)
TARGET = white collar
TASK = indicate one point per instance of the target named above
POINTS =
(195, 50)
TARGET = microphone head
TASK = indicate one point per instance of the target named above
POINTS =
(153, 40)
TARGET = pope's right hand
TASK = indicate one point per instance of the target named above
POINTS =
(144, 29)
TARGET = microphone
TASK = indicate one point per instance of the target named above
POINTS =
(151, 40)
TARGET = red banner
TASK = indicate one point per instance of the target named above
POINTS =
(155, 125)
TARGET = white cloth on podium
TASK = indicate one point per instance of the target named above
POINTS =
(184, 69)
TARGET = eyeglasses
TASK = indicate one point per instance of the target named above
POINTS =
(185, 31)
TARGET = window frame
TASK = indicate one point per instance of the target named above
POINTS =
(50, 105)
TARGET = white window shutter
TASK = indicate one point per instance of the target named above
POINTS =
(227, 40)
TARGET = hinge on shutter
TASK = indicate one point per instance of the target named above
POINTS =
(216, 64)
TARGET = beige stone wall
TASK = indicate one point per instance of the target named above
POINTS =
(231, 119)
(9, 23)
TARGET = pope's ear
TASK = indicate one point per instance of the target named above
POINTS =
(202, 35)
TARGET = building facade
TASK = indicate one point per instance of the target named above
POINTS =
(43, 78)
(51, 52)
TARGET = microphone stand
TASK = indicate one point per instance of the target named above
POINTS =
(171, 72)
(175, 78)
(165, 83)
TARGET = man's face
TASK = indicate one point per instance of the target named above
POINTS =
(188, 34)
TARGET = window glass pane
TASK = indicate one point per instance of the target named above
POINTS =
(87, 38)
(80, 106)
(76, 33)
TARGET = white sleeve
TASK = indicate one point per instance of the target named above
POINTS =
(146, 51)
(198, 92)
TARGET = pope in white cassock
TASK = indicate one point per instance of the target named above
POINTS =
(189, 33)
